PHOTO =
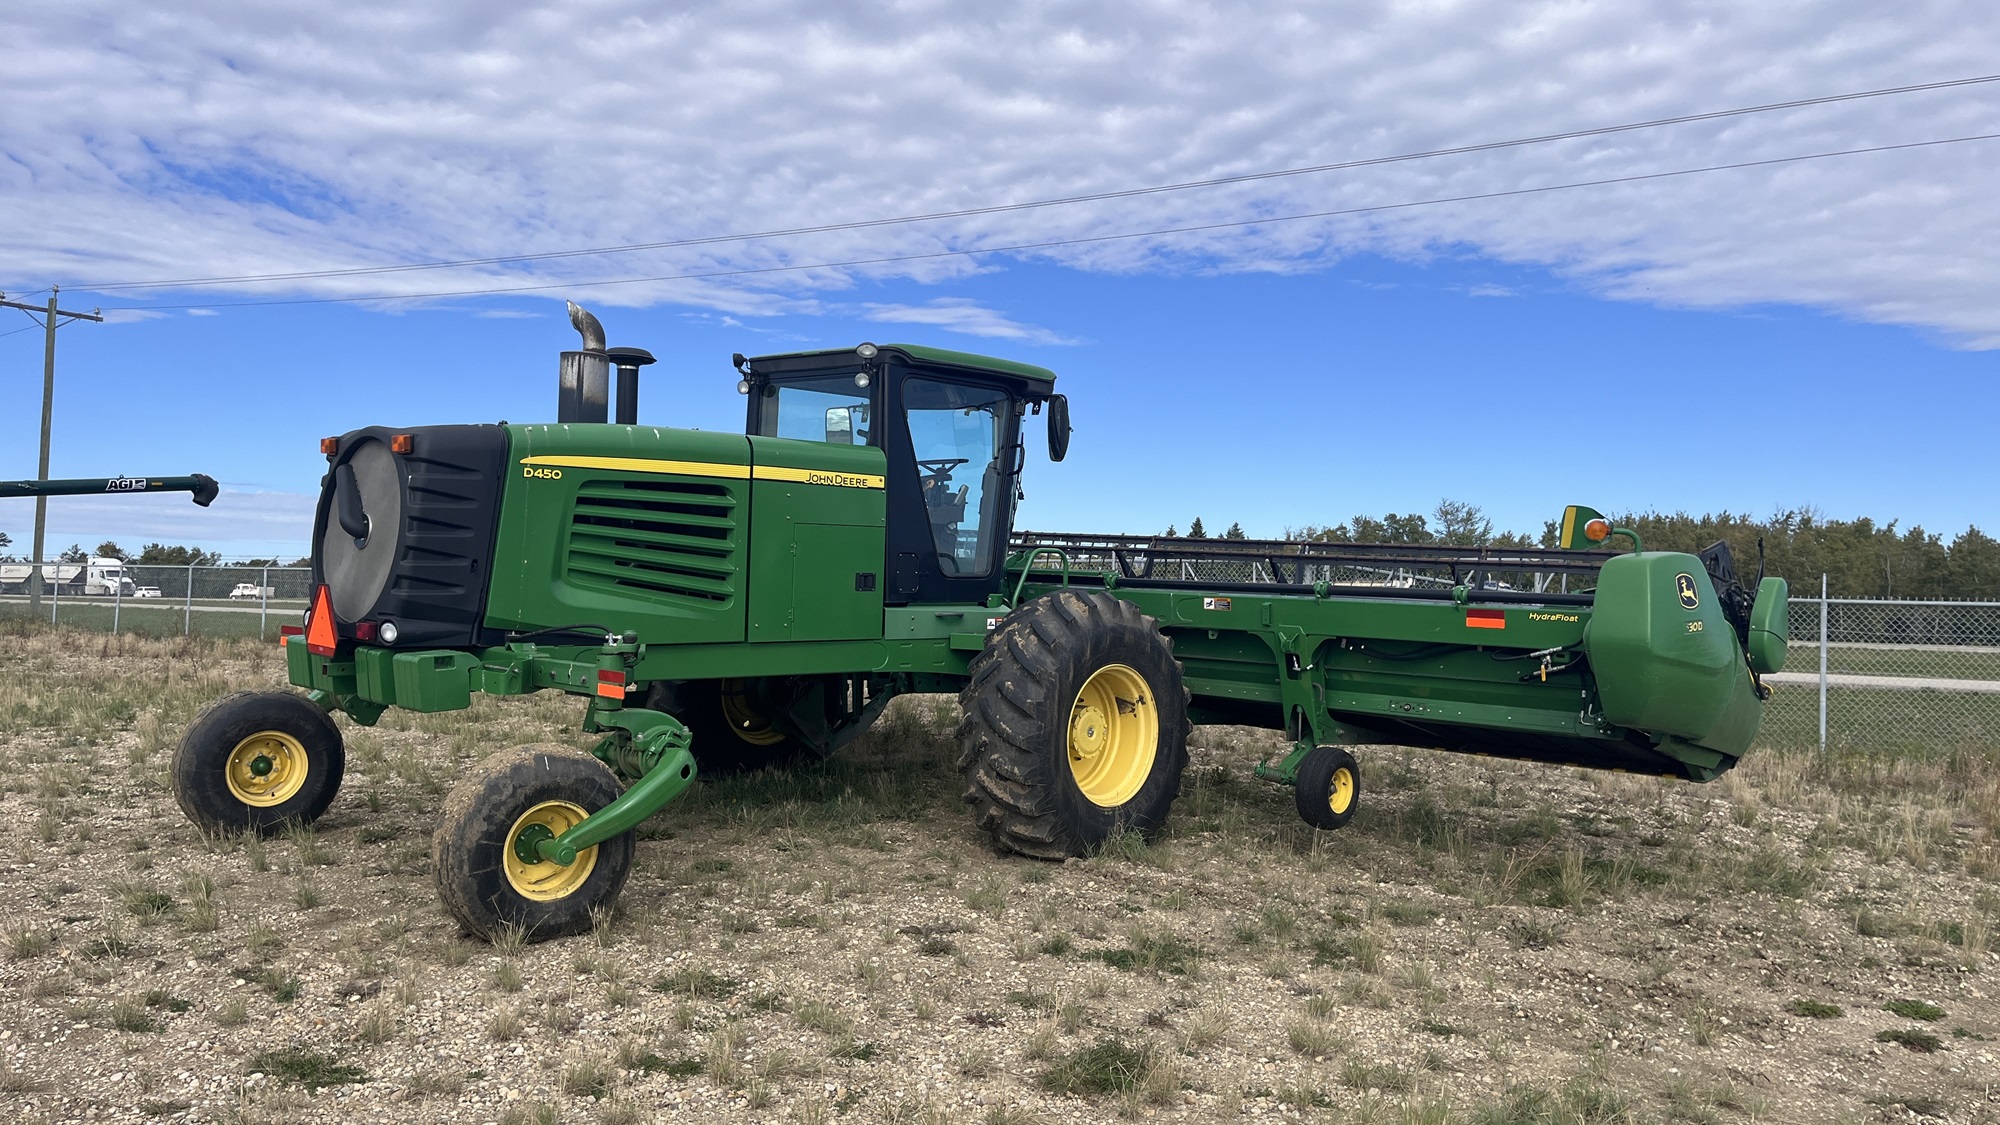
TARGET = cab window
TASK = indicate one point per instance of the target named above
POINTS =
(829, 408)
(955, 431)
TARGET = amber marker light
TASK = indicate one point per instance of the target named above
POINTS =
(329, 445)
(402, 443)
(1597, 531)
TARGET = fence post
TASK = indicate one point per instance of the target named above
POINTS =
(55, 596)
(1822, 663)
(117, 599)
(187, 611)
(263, 600)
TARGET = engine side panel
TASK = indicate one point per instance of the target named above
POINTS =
(631, 528)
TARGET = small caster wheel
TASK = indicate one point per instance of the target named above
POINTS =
(257, 760)
(488, 874)
(1328, 787)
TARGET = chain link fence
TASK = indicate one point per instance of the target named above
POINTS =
(160, 601)
(1906, 676)
(1886, 675)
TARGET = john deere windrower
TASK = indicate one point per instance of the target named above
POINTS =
(731, 601)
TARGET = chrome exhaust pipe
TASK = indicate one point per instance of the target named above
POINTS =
(583, 390)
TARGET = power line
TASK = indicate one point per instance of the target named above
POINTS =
(1096, 197)
(1078, 241)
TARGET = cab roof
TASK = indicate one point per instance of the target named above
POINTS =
(1040, 380)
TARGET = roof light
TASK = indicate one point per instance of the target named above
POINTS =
(742, 386)
(861, 380)
(866, 351)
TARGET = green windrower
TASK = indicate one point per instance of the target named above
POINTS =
(726, 602)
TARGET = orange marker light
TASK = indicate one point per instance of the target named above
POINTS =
(402, 443)
(1597, 531)
(321, 638)
(329, 445)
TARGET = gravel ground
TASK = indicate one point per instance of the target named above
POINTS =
(1488, 942)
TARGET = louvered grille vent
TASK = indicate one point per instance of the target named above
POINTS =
(666, 538)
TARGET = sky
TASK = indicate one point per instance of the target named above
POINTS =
(1801, 332)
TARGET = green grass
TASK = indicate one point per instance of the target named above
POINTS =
(302, 1067)
(1814, 1009)
(1109, 1066)
(1915, 1010)
(1913, 1038)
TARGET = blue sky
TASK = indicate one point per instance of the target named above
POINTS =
(1807, 334)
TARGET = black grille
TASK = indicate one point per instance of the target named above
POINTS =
(670, 539)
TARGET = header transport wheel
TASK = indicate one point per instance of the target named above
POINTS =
(256, 760)
(1328, 787)
(1075, 726)
(489, 874)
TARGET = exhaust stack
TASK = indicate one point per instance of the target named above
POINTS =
(584, 381)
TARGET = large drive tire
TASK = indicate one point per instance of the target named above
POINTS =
(1075, 726)
(732, 734)
(1327, 787)
(256, 761)
(484, 881)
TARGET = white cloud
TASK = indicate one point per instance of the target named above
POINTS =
(956, 314)
(1491, 291)
(222, 138)
(203, 312)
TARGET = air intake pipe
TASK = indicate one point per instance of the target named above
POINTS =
(584, 381)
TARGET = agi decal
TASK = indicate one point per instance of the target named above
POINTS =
(1690, 595)
(125, 484)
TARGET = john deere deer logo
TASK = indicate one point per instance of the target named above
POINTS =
(1690, 597)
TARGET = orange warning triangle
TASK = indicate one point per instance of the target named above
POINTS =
(321, 638)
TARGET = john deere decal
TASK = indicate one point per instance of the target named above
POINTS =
(1690, 597)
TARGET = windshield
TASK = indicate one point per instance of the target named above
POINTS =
(956, 432)
(829, 408)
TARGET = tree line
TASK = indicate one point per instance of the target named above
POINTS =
(1861, 558)
(152, 554)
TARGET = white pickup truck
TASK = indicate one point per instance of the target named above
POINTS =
(252, 590)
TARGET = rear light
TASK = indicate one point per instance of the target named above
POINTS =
(364, 630)
(287, 632)
(321, 637)
(611, 683)
(388, 632)
(402, 443)
(329, 445)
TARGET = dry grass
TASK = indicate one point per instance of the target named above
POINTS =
(1488, 942)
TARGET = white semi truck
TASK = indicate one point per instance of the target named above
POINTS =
(95, 577)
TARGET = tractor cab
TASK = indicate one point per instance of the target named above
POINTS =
(949, 427)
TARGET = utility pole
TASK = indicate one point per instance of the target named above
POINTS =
(52, 319)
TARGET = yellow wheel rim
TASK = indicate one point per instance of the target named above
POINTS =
(1340, 791)
(1114, 732)
(546, 880)
(749, 725)
(266, 769)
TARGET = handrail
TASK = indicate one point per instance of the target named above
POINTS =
(1029, 564)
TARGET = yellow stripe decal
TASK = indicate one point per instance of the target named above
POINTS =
(818, 476)
(1569, 527)
(645, 465)
(710, 469)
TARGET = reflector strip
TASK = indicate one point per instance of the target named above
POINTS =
(611, 691)
(1486, 619)
(321, 637)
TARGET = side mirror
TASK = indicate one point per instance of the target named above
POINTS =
(1583, 527)
(839, 426)
(1058, 427)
